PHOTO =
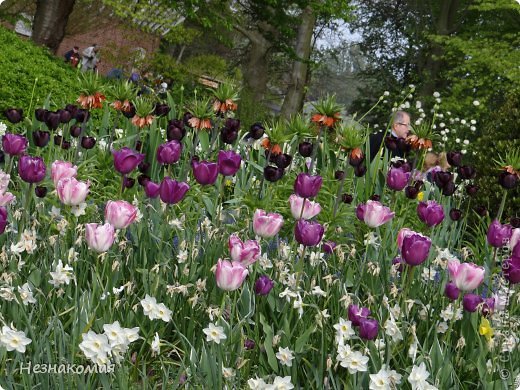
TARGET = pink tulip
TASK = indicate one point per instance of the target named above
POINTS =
(99, 237)
(230, 276)
(374, 214)
(245, 253)
(466, 276)
(62, 170)
(515, 239)
(71, 191)
(6, 198)
(310, 210)
(4, 181)
(404, 232)
(266, 225)
(120, 214)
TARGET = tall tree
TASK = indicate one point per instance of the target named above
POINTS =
(50, 21)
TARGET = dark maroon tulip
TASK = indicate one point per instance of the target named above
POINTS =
(161, 109)
(411, 192)
(130, 113)
(126, 160)
(368, 329)
(356, 160)
(256, 130)
(470, 302)
(442, 178)
(283, 160)
(449, 189)
(454, 158)
(65, 145)
(347, 198)
(88, 142)
(142, 179)
(139, 146)
(451, 291)
(228, 136)
(40, 191)
(499, 235)
(14, 144)
(418, 184)
(375, 198)
(41, 138)
(128, 182)
(52, 120)
(204, 172)
(249, 344)
(404, 165)
(466, 172)
(73, 109)
(14, 115)
(75, 131)
(40, 114)
(397, 179)
(455, 214)
(175, 130)
(403, 146)
(169, 153)
(391, 143)
(232, 124)
(481, 210)
(143, 167)
(307, 186)
(328, 247)
(308, 233)
(58, 139)
(151, 189)
(228, 162)
(471, 189)
(263, 285)
(31, 169)
(360, 170)
(415, 249)
(339, 175)
(507, 180)
(430, 212)
(515, 222)
(305, 149)
(357, 314)
(186, 117)
(511, 269)
(82, 115)
(65, 116)
(273, 174)
(172, 191)
(3, 219)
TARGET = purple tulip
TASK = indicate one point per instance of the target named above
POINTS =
(470, 302)
(307, 186)
(205, 172)
(451, 291)
(126, 160)
(430, 212)
(151, 189)
(368, 329)
(308, 233)
(228, 162)
(3, 219)
(373, 213)
(397, 179)
(31, 169)
(328, 247)
(511, 269)
(172, 191)
(14, 144)
(357, 314)
(499, 235)
(415, 249)
(169, 153)
(249, 344)
(263, 285)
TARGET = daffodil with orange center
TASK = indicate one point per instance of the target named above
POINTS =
(91, 101)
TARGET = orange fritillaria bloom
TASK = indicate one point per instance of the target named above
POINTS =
(509, 169)
(275, 149)
(356, 153)
(326, 120)
(91, 101)
(228, 105)
(199, 124)
(142, 122)
(122, 106)
(419, 143)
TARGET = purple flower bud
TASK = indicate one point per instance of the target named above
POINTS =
(430, 212)
(442, 178)
(75, 131)
(41, 138)
(40, 191)
(256, 130)
(397, 179)
(205, 172)
(415, 249)
(455, 214)
(347, 198)
(273, 174)
(307, 186)
(14, 115)
(82, 115)
(470, 302)
(171, 191)
(126, 160)
(263, 285)
(161, 109)
(451, 291)
(360, 170)
(507, 180)
(411, 192)
(339, 175)
(305, 149)
(228, 136)
(14, 144)
(283, 160)
(481, 210)
(128, 182)
(466, 172)
(52, 120)
(143, 167)
(368, 329)
(228, 162)
(357, 314)
(169, 153)
(328, 247)
(515, 222)
(499, 235)
(40, 114)
(454, 158)
(488, 306)
(65, 116)
(175, 130)
(471, 189)
(249, 344)
(308, 233)
(88, 142)
(31, 169)
(151, 189)
(449, 189)
(142, 179)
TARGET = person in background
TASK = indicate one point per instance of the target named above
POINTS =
(396, 141)
(90, 58)
(72, 56)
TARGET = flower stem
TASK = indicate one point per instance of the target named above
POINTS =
(315, 150)
(261, 189)
(502, 204)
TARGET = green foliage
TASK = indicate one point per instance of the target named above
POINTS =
(30, 74)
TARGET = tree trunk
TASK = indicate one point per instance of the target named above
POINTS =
(295, 95)
(255, 72)
(50, 20)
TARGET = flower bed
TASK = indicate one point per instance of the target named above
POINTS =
(153, 245)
